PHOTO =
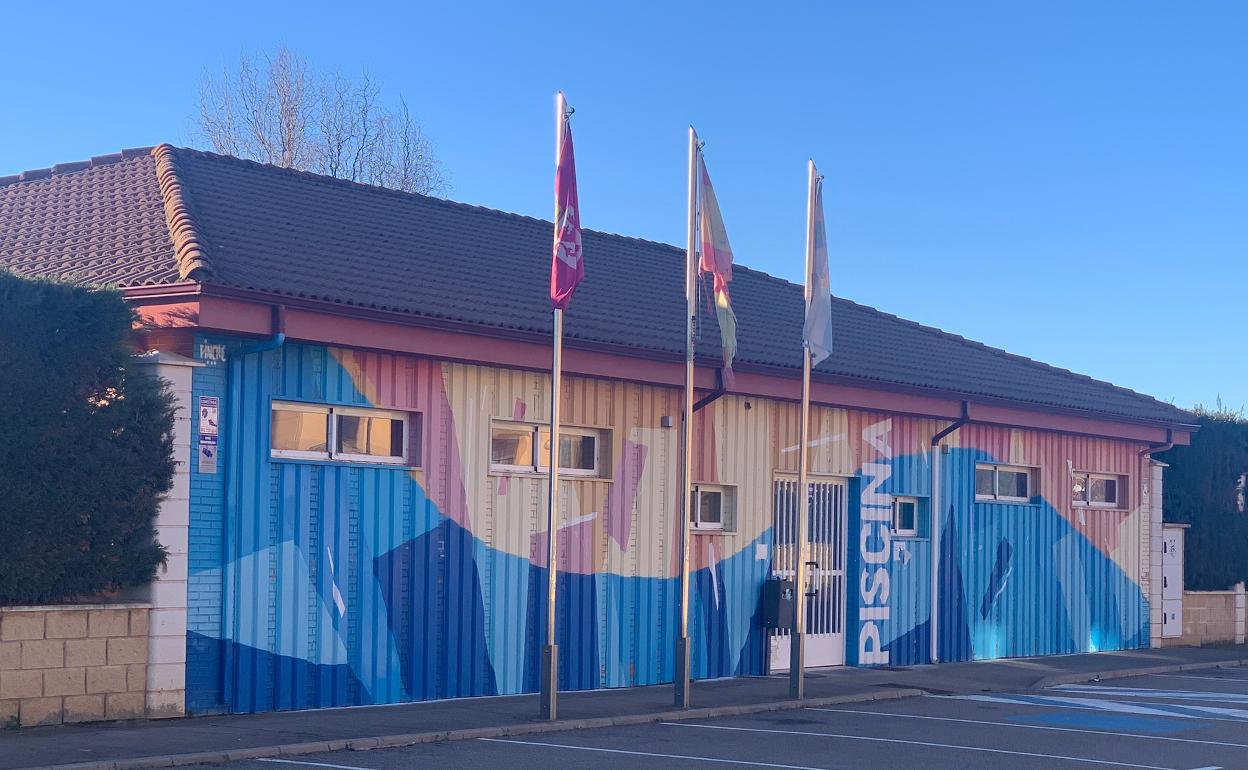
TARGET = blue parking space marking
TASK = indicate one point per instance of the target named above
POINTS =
(1110, 721)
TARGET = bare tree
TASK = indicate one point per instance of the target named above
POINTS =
(283, 113)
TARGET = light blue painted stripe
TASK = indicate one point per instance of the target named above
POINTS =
(1097, 704)
(1138, 692)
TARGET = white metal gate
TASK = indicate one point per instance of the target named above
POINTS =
(825, 528)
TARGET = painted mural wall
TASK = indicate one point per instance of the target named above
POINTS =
(326, 583)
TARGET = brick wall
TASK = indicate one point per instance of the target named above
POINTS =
(206, 539)
(73, 663)
(1213, 617)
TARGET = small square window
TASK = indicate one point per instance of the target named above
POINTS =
(1103, 491)
(1098, 490)
(1006, 483)
(578, 450)
(511, 446)
(1012, 484)
(370, 435)
(905, 516)
(712, 508)
(298, 430)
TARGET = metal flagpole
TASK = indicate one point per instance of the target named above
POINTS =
(550, 653)
(686, 460)
(797, 650)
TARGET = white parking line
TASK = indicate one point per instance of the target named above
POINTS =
(1146, 708)
(312, 764)
(1146, 692)
(1032, 727)
(929, 744)
(1206, 678)
(650, 754)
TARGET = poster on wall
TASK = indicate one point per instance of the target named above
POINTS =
(209, 431)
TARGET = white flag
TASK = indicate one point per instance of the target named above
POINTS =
(817, 333)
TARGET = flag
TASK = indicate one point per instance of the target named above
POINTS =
(716, 258)
(817, 333)
(567, 265)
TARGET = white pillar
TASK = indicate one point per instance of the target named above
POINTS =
(1153, 492)
(166, 668)
(1241, 613)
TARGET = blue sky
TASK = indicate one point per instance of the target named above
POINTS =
(1066, 180)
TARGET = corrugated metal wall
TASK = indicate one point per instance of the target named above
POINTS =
(1047, 577)
(355, 584)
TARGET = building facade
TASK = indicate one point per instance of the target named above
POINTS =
(321, 581)
(366, 480)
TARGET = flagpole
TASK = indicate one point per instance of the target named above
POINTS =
(686, 460)
(797, 638)
(550, 653)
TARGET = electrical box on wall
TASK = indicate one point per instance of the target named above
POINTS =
(778, 597)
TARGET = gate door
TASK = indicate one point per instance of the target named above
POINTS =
(825, 610)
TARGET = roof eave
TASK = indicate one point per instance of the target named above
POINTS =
(190, 290)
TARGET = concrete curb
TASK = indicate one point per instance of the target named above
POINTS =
(498, 731)
(1103, 676)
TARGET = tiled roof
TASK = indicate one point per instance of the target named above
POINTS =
(101, 221)
(247, 225)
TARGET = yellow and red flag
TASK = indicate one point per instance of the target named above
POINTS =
(716, 259)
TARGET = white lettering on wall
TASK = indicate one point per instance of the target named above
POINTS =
(875, 545)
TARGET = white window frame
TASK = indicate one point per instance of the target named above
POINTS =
(727, 508)
(541, 458)
(299, 454)
(1120, 487)
(1033, 482)
(332, 412)
(897, 529)
(351, 411)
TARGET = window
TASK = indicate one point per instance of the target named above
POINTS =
(713, 508)
(299, 430)
(1006, 483)
(352, 434)
(525, 448)
(1098, 490)
(1240, 486)
(906, 516)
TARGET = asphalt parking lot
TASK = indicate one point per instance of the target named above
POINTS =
(1171, 722)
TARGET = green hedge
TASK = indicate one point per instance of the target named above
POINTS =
(1200, 490)
(85, 446)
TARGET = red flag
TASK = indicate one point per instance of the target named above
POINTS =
(567, 266)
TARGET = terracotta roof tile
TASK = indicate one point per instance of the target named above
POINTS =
(297, 234)
(99, 222)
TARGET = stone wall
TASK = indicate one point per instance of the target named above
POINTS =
(1213, 617)
(73, 663)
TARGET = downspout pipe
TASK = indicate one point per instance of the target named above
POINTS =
(274, 342)
(1148, 451)
(1145, 455)
(934, 516)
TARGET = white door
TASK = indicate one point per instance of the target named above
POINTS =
(825, 604)
(1172, 581)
